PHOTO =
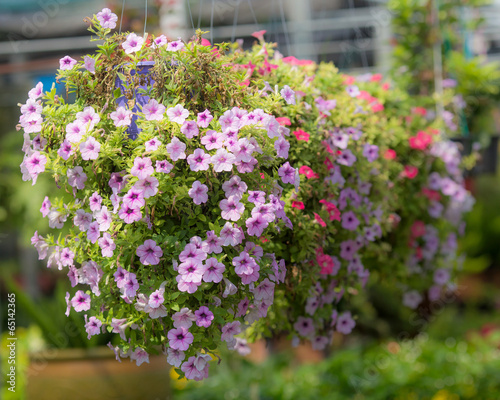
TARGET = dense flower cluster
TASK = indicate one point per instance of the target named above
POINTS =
(181, 238)
(382, 191)
(161, 234)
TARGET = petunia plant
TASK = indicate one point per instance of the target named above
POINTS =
(206, 190)
(159, 230)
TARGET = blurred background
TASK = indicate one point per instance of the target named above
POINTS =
(449, 352)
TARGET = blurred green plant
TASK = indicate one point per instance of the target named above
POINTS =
(423, 368)
(415, 36)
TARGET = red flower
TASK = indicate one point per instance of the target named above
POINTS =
(298, 204)
(301, 135)
(421, 141)
(308, 172)
(333, 211)
(410, 171)
(417, 229)
(386, 86)
(376, 77)
(319, 220)
(294, 61)
(284, 121)
(326, 263)
(328, 163)
(377, 107)
(348, 80)
(259, 34)
(390, 154)
(431, 194)
(419, 110)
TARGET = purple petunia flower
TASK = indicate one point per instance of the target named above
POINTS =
(129, 214)
(256, 225)
(204, 317)
(287, 173)
(222, 161)
(213, 270)
(80, 301)
(304, 326)
(231, 208)
(66, 150)
(179, 339)
(213, 140)
(288, 94)
(198, 192)
(149, 253)
(350, 221)
(213, 244)
(175, 45)
(89, 64)
(76, 177)
(346, 158)
(370, 151)
(142, 167)
(190, 129)
(183, 318)
(176, 149)
(90, 149)
(163, 166)
(121, 117)
(345, 323)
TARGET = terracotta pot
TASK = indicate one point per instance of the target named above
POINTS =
(94, 374)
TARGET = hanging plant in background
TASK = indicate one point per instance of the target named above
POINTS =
(184, 230)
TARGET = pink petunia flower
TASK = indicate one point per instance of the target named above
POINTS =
(198, 192)
(288, 94)
(204, 119)
(213, 140)
(148, 186)
(107, 19)
(107, 245)
(89, 64)
(190, 129)
(231, 208)
(183, 318)
(176, 149)
(153, 111)
(175, 45)
(133, 43)
(204, 317)
(177, 114)
(80, 301)
(67, 63)
(121, 117)
(222, 161)
(36, 92)
(199, 160)
(66, 150)
(90, 149)
(75, 131)
(76, 177)
(142, 167)
(129, 214)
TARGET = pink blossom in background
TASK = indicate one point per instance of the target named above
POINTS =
(288, 94)
(259, 35)
(89, 64)
(304, 326)
(213, 270)
(345, 323)
(93, 232)
(133, 43)
(140, 356)
(67, 63)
